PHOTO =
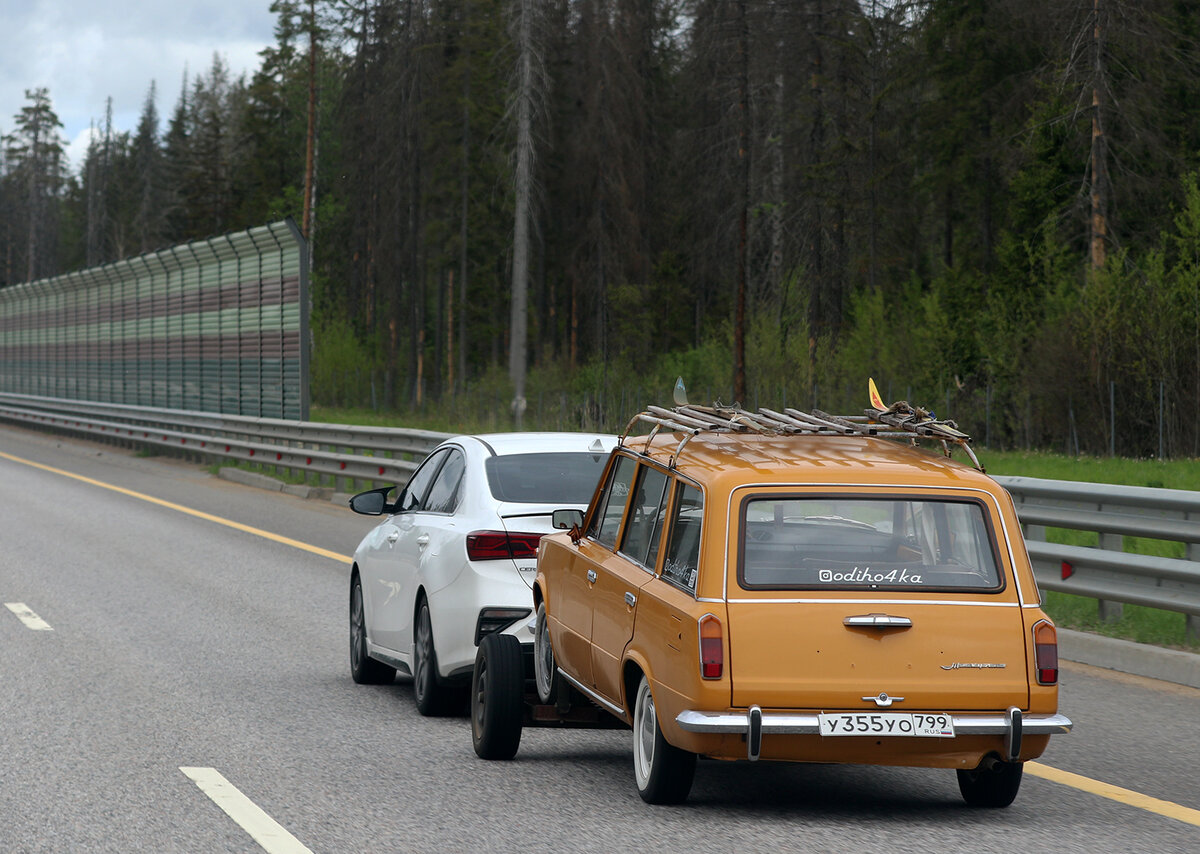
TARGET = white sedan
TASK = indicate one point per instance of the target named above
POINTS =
(454, 557)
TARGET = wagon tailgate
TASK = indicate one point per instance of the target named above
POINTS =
(803, 656)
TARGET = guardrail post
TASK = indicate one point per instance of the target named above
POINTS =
(1192, 625)
(1111, 612)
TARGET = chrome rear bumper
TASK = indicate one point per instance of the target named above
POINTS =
(755, 723)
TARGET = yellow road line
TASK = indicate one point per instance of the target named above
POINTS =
(1066, 778)
(199, 514)
(1115, 793)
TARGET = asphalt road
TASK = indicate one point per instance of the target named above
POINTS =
(176, 642)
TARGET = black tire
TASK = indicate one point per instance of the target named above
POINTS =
(994, 786)
(363, 669)
(432, 697)
(663, 773)
(497, 697)
(545, 671)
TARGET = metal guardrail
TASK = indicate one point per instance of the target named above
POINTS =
(335, 450)
(1108, 573)
(380, 454)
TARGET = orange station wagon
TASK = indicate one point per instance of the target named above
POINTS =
(787, 586)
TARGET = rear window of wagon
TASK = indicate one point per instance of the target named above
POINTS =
(855, 542)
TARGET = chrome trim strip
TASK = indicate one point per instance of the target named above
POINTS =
(612, 709)
(878, 621)
(786, 723)
(965, 602)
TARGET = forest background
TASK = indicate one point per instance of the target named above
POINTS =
(990, 206)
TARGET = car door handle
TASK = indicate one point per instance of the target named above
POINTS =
(630, 599)
(423, 540)
(878, 621)
(591, 576)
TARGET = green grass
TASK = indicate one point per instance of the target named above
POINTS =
(1137, 623)
(1172, 474)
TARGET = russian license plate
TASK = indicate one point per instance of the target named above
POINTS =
(924, 724)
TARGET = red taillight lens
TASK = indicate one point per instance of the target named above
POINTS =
(1045, 649)
(712, 651)
(500, 545)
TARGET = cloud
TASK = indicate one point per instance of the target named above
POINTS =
(85, 52)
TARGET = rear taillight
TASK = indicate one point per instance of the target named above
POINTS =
(500, 545)
(1045, 651)
(712, 651)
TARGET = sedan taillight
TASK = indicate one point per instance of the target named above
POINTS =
(1045, 650)
(501, 545)
(712, 651)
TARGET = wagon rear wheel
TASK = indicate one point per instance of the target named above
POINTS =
(664, 773)
(545, 670)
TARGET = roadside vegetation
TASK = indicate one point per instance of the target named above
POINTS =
(992, 208)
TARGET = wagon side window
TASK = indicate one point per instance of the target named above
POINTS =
(683, 547)
(606, 523)
(644, 529)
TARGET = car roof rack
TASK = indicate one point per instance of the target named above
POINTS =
(899, 421)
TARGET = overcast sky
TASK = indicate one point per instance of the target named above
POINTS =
(84, 51)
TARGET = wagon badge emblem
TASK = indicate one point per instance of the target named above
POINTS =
(973, 665)
(883, 700)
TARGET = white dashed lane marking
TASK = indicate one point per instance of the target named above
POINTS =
(27, 617)
(249, 816)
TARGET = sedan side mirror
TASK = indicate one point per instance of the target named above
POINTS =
(565, 520)
(373, 502)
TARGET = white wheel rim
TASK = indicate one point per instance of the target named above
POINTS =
(543, 655)
(645, 728)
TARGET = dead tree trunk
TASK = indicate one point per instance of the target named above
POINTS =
(1099, 154)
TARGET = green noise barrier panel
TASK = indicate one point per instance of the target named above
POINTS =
(216, 325)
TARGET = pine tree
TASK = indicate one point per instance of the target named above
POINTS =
(34, 153)
(149, 222)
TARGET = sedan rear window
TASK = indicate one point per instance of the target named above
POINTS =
(854, 542)
(565, 478)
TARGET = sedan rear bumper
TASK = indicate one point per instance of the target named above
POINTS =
(754, 723)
